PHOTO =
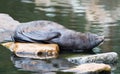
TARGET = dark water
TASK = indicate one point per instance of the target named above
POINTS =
(98, 16)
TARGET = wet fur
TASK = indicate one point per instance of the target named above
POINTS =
(51, 32)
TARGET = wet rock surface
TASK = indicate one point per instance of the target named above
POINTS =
(7, 22)
(33, 50)
(108, 58)
(89, 68)
(7, 27)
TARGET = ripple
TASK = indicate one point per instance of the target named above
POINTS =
(26, 1)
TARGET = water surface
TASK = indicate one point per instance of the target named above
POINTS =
(97, 16)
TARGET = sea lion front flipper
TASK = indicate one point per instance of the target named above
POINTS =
(41, 35)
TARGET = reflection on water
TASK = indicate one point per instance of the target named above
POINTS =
(41, 66)
(97, 16)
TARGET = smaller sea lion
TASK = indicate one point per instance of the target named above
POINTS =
(50, 32)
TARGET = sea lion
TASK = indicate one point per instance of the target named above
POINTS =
(43, 31)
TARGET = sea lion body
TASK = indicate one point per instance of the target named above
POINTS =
(51, 32)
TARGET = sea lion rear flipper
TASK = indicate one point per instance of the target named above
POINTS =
(41, 35)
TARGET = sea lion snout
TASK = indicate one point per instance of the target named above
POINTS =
(94, 39)
(100, 38)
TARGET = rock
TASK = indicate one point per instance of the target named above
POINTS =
(90, 68)
(6, 36)
(7, 22)
(33, 50)
(7, 27)
(109, 58)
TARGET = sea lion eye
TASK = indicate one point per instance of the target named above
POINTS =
(96, 38)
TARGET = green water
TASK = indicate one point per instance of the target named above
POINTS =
(96, 16)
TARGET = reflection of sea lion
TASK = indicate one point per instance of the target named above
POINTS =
(41, 66)
(50, 32)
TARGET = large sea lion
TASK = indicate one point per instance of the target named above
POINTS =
(50, 32)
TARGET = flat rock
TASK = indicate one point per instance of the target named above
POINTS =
(89, 68)
(33, 50)
(109, 58)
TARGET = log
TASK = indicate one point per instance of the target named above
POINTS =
(108, 58)
(90, 68)
(33, 50)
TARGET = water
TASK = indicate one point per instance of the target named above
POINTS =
(97, 16)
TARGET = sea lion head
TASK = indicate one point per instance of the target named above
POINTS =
(89, 40)
(94, 40)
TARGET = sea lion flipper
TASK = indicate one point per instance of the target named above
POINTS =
(42, 35)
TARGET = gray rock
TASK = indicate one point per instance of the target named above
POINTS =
(109, 58)
(7, 22)
(7, 27)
